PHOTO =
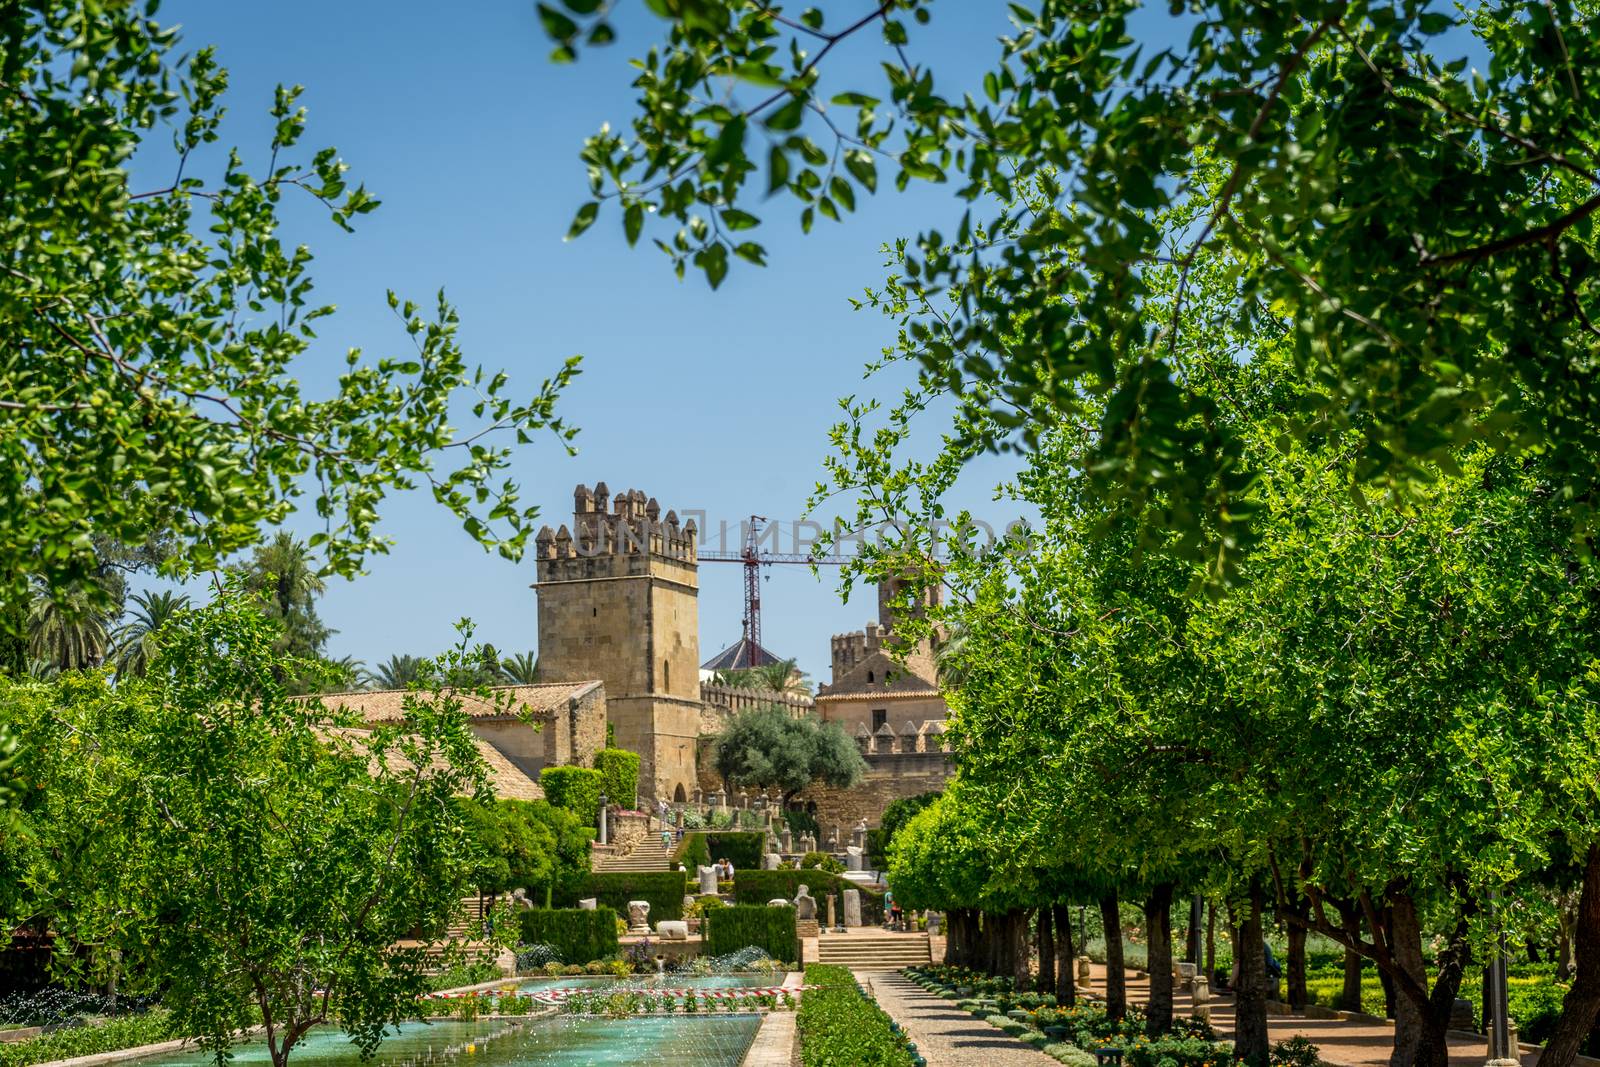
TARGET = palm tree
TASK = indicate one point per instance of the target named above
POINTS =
(783, 676)
(780, 676)
(68, 629)
(285, 572)
(948, 655)
(352, 675)
(520, 669)
(135, 643)
(398, 673)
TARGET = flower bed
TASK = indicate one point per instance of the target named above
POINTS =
(1071, 1034)
(840, 1026)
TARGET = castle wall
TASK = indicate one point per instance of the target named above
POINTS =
(854, 713)
(889, 778)
(521, 743)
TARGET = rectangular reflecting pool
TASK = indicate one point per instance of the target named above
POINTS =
(666, 981)
(558, 1041)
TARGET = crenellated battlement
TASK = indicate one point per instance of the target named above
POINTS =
(631, 524)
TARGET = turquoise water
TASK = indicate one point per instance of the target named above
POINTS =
(562, 1041)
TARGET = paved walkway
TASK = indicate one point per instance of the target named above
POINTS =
(945, 1036)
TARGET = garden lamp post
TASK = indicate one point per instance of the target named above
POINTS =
(1501, 1054)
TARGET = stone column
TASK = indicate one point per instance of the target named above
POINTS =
(852, 907)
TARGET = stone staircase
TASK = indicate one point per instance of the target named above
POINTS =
(863, 951)
(647, 855)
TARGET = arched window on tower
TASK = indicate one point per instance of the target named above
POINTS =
(869, 676)
(666, 675)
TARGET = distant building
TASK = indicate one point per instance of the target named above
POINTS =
(618, 601)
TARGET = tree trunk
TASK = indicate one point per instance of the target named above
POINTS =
(1251, 1043)
(1191, 945)
(1116, 977)
(1066, 989)
(1420, 1029)
(1582, 1002)
(1158, 920)
(1211, 943)
(1350, 919)
(1294, 969)
(1021, 961)
(1047, 950)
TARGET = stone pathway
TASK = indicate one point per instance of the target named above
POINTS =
(945, 1036)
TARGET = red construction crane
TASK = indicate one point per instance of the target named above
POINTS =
(754, 558)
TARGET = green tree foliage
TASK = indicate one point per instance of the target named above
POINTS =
(619, 771)
(201, 832)
(576, 789)
(156, 334)
(68, 630)
(529, 845)
(770, 749)
(397, 672)
(521, 669)
(136, 642)
(781, 676)
(1426, 229)
(1341, 735)
(894, 817)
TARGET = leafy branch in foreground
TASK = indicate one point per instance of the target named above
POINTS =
(151, 350)
(1426, 230)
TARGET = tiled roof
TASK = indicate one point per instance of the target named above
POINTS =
(825, 697)
(507, 781)
(388, 705)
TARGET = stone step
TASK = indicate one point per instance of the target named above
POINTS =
(869, 953)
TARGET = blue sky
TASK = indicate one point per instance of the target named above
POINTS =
(720, 401)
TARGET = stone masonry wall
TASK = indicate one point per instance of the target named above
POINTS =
(890, 779)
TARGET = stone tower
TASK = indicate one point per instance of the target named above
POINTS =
(618, 601)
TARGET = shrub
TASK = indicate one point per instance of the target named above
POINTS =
(821, 861)
(613, 889)
(127, 1031)
(619, 775)
(579, 935)
(576, 789)
(1171, 1051)
(1297, 1051)
(758, 887)
(693, 852)
(466, 974)
(770, 929)
(1071, 1055)
(801, 822)
(742, 848)
(840, 1027)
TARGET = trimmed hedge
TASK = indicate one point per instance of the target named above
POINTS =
(613, 889)
(575, 788)
(758, 887)
(742, 848)
(840, 1027)
(619, 774)
(579, 935)
(744, 925)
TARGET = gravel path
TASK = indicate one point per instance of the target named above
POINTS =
(945, 1036)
